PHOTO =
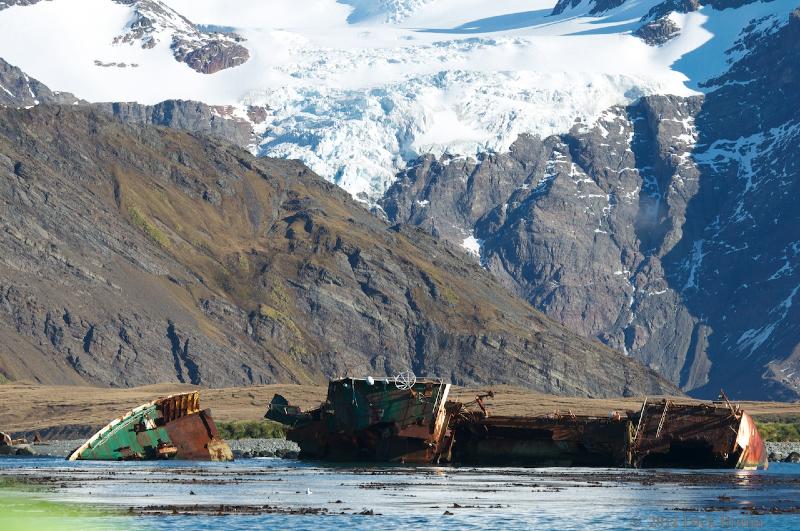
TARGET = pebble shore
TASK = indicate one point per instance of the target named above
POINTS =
(780, 451)
(242, 448)
(249, 448)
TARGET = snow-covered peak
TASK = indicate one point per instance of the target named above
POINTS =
(356, 88)
(152, 21)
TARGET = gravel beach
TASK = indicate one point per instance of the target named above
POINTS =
(249, 448)
(245, 448)
(780, 451)
(242, 448)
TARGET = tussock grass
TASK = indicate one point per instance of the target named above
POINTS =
(780, 430)
(251, 429)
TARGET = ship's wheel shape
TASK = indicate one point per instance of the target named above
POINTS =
(405, 380)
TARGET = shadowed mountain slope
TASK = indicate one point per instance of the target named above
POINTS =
(133, 255)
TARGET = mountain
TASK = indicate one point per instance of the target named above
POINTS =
(134, 254)
(151, 22)
(17, 89)
(623, 165)
(358, 89)
(666, 229)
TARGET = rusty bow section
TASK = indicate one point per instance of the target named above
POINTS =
(717, 435)
(170, 427)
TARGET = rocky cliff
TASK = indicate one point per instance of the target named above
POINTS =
(668, 230)
(17, 89)
(136, 254)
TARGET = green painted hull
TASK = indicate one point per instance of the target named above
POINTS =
(171, 427)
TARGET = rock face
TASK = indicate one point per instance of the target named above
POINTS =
(19, 90)
(135, 255)
(204, 51)
(597, 6)
(658, 32)
(573, 224)
(666, 230)
(196, 117)
(5, 4)
(216, 52)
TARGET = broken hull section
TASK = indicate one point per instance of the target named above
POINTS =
(173, 427)
(697, 436)
(542, 441)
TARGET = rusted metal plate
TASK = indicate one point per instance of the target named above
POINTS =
(697, 436)
(372, 420)
(195, 437)
(169, 427)
(542, 441)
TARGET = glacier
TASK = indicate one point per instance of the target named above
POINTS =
(358, 88)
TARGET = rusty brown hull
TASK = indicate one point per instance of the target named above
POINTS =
(374, 420)
(375, 444)
(542, 441)
(172, 427)
(195, 437)
(697, 436)
(662, 434)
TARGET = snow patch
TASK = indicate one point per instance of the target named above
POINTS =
(473, 245)
(695, 261)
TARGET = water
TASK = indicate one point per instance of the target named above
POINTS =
(275, 490)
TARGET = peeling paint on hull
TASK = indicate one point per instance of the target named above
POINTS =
(172, 427)
(377, 421)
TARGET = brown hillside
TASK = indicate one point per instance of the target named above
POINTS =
(134, 255)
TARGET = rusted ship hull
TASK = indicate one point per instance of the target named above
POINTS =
(369, 445)
(373, 420)
(173, 427)
(367, 421)
(542, 441)
(662, 435)
(696, 436)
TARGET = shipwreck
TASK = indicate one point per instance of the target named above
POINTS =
(412, 421)
(399, 419)
(716, 435)
(173, 427)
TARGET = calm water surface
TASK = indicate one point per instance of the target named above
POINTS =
(159, 496)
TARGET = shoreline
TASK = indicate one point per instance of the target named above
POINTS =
(241, 448)
(284, 449)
